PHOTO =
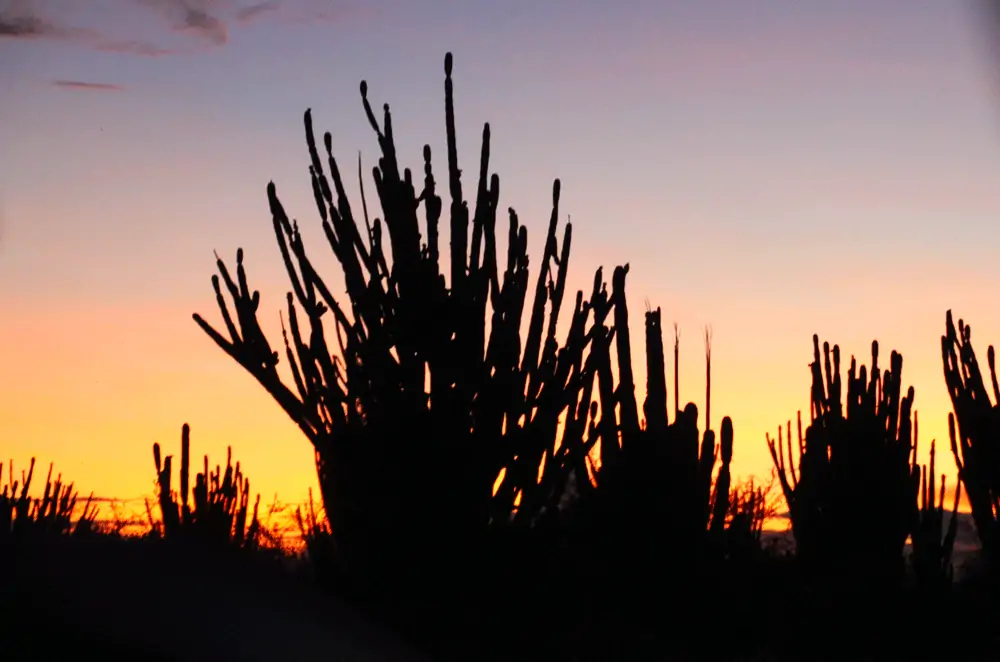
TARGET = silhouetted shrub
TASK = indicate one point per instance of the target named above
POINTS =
(975, 441)
(52, 514)
(217, 515)
(853, 499)
(931, 555)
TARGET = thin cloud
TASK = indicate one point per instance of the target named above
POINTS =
(253, 12)
(211, 19)
(200, 18)
(86, 85)
(21, 20)
(316, 11)
(133, 47)
(24, 26)
(206, 22)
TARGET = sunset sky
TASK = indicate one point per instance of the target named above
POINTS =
(775, 169)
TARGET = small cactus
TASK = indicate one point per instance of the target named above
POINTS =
(931, 556)
(52, 514)
(219, 511)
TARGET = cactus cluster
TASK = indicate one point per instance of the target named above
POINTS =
(852, 499)
(974, 428)
(445, 410)
(431, 417)
(52, 514)
(217, 514)
(931, 555)
(859, 492)
(665, 488)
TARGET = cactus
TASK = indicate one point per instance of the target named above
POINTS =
(52, 514)
(974, 427)
(852, 500)
(433, 396)
(441, 431)
(218, 513)
(931, 556)
(657, 490)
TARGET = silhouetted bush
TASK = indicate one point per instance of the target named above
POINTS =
(853, 499)
(975, 442)
(931, 556)
(217, 516)
(21, 516)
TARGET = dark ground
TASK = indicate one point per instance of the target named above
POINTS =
(144, 601)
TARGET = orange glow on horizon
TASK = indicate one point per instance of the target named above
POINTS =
(95, 389)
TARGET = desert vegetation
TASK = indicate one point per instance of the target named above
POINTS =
(491, 488)
(218, 514)
(52, 514)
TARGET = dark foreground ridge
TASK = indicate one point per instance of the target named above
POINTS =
(147, 599)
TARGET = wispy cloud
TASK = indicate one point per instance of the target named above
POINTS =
(203, 19)
(205, 23)
(23, 20)
(22, 25)
(133, 47)
(20, 19)
(210, 20)
(85, 85)
(253, 12)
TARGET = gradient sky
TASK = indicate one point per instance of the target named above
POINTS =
(775, 169)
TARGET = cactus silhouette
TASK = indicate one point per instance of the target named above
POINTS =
(974, 428)
(217, 515)
(52, 514)
(659, 478)
(434, 419)
(931, 556)
(852, 500)
(433, 396)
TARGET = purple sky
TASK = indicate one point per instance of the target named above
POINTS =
(775, 168)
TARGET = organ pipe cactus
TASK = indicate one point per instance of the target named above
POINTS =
(216, 510)
(659, 490)
(432, 393)
(432, 418)
(851, 501)
(931, 557)
(52, 514)
(975, 430)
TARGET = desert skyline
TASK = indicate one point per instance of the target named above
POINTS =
(847, 161)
